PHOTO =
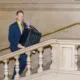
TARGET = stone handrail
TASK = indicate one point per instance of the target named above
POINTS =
(12, 54)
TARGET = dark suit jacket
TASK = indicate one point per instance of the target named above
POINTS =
(14, 35)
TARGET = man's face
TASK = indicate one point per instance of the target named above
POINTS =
(20, 17)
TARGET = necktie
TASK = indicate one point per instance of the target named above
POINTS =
(22, 27)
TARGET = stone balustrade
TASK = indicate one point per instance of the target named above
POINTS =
(63, 56)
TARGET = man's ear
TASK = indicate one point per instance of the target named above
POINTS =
(16, 17)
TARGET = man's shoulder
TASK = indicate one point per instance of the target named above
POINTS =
(13, 24)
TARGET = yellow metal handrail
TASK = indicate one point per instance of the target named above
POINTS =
(71, 25)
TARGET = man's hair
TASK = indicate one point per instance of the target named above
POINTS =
(20, 11)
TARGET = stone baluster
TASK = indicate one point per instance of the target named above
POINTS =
(6, 70)
(40, 69)
(28, 64)
(17, 67)
(75, 58)
(52, 56)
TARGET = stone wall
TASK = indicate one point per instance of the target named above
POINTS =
(45, 15)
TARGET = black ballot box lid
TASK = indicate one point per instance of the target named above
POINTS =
(30, 37)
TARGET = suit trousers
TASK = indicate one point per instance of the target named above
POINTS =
(22, 64)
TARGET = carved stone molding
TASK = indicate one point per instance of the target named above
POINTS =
(39, 1)
(43, 7)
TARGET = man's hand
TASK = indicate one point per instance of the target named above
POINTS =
(20, 46)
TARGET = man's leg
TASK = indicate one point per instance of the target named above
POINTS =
(22, 63)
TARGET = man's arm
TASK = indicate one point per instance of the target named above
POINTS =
(20, 46)
(12, 36)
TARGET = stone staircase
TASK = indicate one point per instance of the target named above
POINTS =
(54, 75)
(48, 60)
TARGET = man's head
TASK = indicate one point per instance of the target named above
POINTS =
(20, 16)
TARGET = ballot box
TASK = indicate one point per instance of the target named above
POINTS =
(30, 37)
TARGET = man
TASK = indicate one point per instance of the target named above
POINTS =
(15, 31)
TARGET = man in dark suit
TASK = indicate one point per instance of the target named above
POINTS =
(15, 31)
